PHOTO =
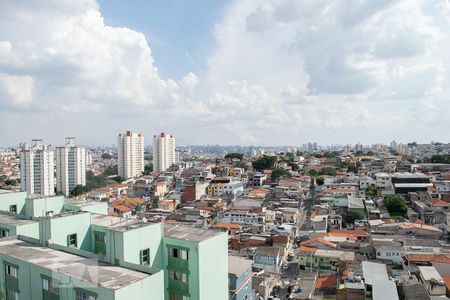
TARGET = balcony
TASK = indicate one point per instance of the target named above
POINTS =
(178, 287)
(178, 263)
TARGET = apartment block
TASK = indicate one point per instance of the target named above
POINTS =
(163, 152)
(70, 166)
(130, 154)
(57, 249)
(37, 169)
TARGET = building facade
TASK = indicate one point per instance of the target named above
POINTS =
(163, 152)
(130, 154)
(37, 169)
(70, 167)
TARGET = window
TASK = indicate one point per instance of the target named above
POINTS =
(50, 285)
(85, 295)
(99, 237)
(145, 257)
(4, 233)
(12, 295)
(11, 270)
(72, 240)
(179, 253)
(179, 276)
(13, 208)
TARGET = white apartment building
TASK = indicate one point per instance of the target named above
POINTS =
(130, 151)
(37, 169)
(70, 166)
(163, 152)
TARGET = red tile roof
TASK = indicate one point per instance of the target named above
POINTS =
(326, 282)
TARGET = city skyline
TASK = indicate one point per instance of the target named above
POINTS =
(245, 72)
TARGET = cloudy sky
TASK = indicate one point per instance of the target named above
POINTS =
(272, 72)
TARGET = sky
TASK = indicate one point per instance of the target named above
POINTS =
(273, 72)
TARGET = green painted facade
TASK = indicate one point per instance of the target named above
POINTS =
(307, 260)
(201, 274)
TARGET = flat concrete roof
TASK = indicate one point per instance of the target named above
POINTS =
(384, 289)
(89, 270)
(189, 233)
(374, 271)
(238, 265)
(109, 221)
(14, 221)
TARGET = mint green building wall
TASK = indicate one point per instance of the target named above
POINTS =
(193, 264)
(148, 289)
(213, 268)
(58, 228)
(39, 207)
(17, 198)
(30, 230)
(30, 282)
(126, 245)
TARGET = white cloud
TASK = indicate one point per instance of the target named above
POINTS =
(282, 72)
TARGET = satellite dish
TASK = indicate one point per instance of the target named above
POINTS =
(144, 219)
(50, 242)
(50, 215)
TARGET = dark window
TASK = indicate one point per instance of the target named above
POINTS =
(145, 257)
(85, 295)
(13, 208)
(50, 285)
(72, 240)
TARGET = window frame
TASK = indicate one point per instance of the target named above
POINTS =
(143, 260)
(69, 239)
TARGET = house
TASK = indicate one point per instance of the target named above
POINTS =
(268, 259)
(240, 278)
(433, 281)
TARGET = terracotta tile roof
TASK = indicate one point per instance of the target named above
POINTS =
(326, 282)
(420, 226)
(122, 208)
(319, 240)
(228, 226)
(353, 232)
(442, 258)
(419, 257)
(447, 282)
(307, 249)
(438, 202)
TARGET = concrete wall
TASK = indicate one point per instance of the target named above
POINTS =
(18, 199)
(39, 207)
(149, 288)
(58, 228)
(126, 246)
(213, 268)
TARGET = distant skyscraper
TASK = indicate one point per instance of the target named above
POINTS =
(70, 166)
(163, 152)
(37, 169)
(130, 151)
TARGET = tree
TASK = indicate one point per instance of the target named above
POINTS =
(396, 205)
(148, 169)
(106, 156)
(239, 156)
(320, 180)
(371, 192)
(78, 190)
(294, 166)
(352, 216)
(279, 173)
(264, 162)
